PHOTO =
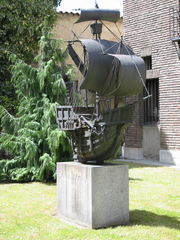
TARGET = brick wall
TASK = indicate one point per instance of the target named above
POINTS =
(146, 25)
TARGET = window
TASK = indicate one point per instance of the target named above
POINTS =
(151, 104)
(148, 62)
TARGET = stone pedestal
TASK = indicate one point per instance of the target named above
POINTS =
(93, 196)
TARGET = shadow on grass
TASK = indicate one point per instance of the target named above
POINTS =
(142, 217)
(22, 183)
(135, 179)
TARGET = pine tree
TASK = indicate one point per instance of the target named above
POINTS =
(20, 31)
(31, 138)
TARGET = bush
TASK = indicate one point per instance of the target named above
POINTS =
(31, 137)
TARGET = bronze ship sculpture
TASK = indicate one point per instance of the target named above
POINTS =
(110, 72)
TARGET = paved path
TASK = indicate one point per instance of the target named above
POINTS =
(149, 162)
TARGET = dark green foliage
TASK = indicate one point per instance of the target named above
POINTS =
(21, 25)
(20, 30)
(31, 138)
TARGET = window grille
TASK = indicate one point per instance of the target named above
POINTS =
(174, 26)
(151, 105)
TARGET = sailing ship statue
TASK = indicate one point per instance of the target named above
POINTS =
(110, 72)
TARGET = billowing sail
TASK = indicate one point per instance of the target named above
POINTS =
(125, 77)
(112, 69)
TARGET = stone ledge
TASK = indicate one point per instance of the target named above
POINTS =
(170, 156)
(153, 73)
(146, 51)
(133, 153)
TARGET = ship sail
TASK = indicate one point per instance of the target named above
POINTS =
(112, 69)
(99, 14)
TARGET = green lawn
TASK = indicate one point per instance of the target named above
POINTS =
(28, 211)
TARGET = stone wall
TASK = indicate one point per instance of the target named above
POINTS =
(65, 24)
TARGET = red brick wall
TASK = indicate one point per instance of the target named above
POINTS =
(146, 24)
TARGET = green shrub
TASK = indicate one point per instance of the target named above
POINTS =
(31, 137)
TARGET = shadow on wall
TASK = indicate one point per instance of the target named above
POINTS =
(159, 146)
(170, 151)
(151, 142)
(156, 146)
(142, 217)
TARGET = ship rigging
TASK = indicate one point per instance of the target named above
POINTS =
(110, 72)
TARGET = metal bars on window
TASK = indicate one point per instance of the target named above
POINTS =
(174, 23)
(174, 27)
(151, 105)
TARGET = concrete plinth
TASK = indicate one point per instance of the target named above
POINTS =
(170, 157)
(93, 196)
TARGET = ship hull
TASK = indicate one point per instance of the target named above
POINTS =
(98, 147)
(95, 138)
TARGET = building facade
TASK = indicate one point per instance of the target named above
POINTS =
(65, 27)
(151, 28)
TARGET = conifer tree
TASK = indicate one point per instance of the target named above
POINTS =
(20, 30)
(31, 138)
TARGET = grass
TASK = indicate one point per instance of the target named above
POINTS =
(28, 211)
